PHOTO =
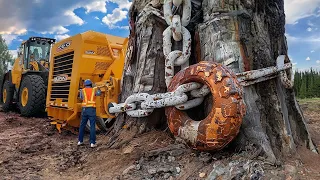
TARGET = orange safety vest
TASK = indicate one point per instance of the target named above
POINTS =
(89, 98)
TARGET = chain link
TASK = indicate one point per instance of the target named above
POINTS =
(143, 104)
(178, 31)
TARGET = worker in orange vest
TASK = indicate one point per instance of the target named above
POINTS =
(88, 96)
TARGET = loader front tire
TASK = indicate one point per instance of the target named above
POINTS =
(7, 96)
(32, 96)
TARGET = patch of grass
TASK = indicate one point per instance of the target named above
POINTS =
(313, 104)
(309, 100)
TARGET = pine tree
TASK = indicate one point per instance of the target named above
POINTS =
(303, 87)
(307, 84)
(5, 57)
(297, 82)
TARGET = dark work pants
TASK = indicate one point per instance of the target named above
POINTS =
(88, 113)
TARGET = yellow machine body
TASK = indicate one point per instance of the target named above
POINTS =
(90, 55)
(19, 84)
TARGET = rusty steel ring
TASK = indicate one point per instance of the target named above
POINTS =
(222, 124)
(286, 75)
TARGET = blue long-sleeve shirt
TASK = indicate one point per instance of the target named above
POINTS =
(98, 93)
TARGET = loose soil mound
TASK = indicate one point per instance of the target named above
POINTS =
(31, 148)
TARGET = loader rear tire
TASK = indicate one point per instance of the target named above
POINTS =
(7, 96)
(88, 127)
(102, 125)
(32, 96)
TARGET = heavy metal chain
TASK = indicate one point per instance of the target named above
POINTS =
(147, 103)
(143, 104)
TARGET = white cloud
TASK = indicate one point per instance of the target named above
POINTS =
(310, 23)
(99, 6)
(318, 61)
(312, 51)
(310, 39)
(308, 59)
(112, 19)
(298, 9)
(309, 29)
(56, 30)
(117, 15)
(314, 39)
(119, 27)
(36, 16)
(13, 30)
(294, 64)
(60, 37)
(123, 4)
(73, 17)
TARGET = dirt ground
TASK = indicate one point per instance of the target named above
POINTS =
(31, 148)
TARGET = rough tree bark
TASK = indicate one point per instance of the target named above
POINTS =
(243, 35)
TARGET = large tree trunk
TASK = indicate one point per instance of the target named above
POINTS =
(244, 35)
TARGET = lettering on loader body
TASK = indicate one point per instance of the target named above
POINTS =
(60, 78)
(89, 52)
(64, 46)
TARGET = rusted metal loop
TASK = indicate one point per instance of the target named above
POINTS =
(190, 104)
(137, 98)
(176, 28)
(165, 102)
(139, 113)
(122, 107)
(285, 76)
(255, 76)
(186, 49)
(202, 92)
(187, 87)
(140, 97)
(178, 58)
(186, 11)
(222, 124)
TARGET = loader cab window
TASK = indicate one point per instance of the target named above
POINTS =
(40, 50)
(36, 51)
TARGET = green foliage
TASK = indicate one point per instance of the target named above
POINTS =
(307, 84)
(5, 57)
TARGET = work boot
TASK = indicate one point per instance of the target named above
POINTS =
(93, 145)
(80, 143)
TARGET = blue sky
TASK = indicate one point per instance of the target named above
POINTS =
(59, 19)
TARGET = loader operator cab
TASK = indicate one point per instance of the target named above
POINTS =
(35, 49)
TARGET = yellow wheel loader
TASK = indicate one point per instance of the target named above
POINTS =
(90, 55)
(26, 84)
